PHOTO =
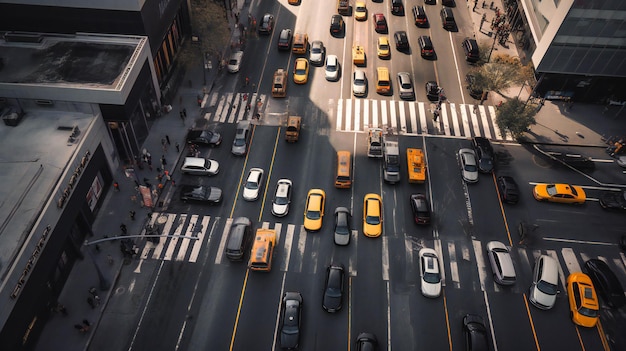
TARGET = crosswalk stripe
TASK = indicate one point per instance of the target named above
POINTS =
(454, 268)
(357, 115)
(412, 115)
(422, 114)
(392, 115)
(172, 242)
(366, 111)
(349, 114)
(402, 117)
(562, 277)
(442, 271)
(182, 250)
(374, 114)
(352, 262)
(287, 247)
(213, 100)
(485, 122)
(383, 113)
(222, 245)
(455, 121)
(570, 260)
(465, 120)
(444, 120)
(301, 246)
(480, 262)
(339, 113)
(241, 103)
(220, 107)
(314, 255)
(196, 245)
(474, 117)
(496, 129)
(162, 241)
(411, 269)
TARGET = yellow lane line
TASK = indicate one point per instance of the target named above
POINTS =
(269, 174)
(243, 292)
(530, 319)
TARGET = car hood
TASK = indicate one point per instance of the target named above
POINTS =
(214, 167)
(280, 210)
(215, 194)
(541, 299)
(289, 341)
(342, 239)
(359, 88)
(332, 303)
(485, 165)
(250, 193)
(431, 290)
(316, 57)
(371, 229)
(470, 176)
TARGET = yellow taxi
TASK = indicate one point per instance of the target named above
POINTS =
(383, 47)
(564, 193)
(360, 11)
(314, 209)
(301, 71)
(583, 301)
(293, 2)
(372, 215)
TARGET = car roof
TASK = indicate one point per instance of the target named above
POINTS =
(332, 60)
(468, 156)
(359, 74)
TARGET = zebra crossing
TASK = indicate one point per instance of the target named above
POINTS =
(234, 107)
(414, 117)
(297, 251)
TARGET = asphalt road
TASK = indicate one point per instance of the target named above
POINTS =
(194, 298)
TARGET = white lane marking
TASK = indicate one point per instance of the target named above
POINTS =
(579, 241)
(474, 117)
(301, 247)
(570, 260)
(423, 122)
(392, 115)
(385, 258)
(213, 100)
(288, 241)
(315, 244)
(220, 249)
(339, 114)
(493, 334)
(562, 277)
(412, 114)
(220, 107)
(227, 107)
(173, 242)
(353, 258)
(348, 115)
(480, 263)
(466, 127)
(455, 120)
(197, 244)
(375, 113)
(191, 228)
(485, 122)
(366, 111)
(442, 271)
(357, 115)
(402, 116)
(454, 268)
(444, 119)
(166, 231)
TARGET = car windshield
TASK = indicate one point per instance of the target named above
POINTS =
(333, 292)
(281, 200)
(431, 277)
(470, 168)
(551, 189)
(300, 71)
(252, 185)
(373, 220)
(232, 62)
(547, 288)
(239, 142)
(588, 312)
(331, 68)
(406, 86)
(359, 82)
(313, 214)
(384, 47)
(316, 50)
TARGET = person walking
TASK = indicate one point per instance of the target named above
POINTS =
(177, 145)
(116, 186)
(167, 138)
(184, 113)
(91, 302)
(123, 228)
(163, 161)
(131, 213)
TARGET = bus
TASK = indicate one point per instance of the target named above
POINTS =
(416, 165)
(262, 250)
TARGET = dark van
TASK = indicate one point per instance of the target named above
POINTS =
(397, 8)
(239, 239)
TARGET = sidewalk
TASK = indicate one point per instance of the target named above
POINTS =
(585, 125)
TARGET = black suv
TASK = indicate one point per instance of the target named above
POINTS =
(447, 19)
(419, 15)
(336, 25)
(402, 41)
(397, 8)
(484, 154)
(426, 46)
(470, 47)
(267, 24)
(508, 189)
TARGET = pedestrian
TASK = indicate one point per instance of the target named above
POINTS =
(173, 182)
(182, 116)
(96, 300)
(167, 137)
(164, 144)
(93, 291)
(159, 177)
(116, 186)
(484, 4)
(79, 327)
(247, 81)
(123, 228)
(177, 145)
(160, 188)
(110, 259)
(91, 302)
(168, 177)
(184, 113)
(86, 323)
(97, 248)
(131, 213)
(149, 161)
(435, 115)
(475, 5)
(163, 161)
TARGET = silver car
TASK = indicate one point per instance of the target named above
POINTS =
(235, 61)
(342, 226)
(332, 68)
(359, 83)
(200, 166)
(242, 135)
(406, 86)
(501, 263)
(282, 198)
(469, 166)
(429, 272)
(316, 53)
(253, 185)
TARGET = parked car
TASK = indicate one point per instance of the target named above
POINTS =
(336, 25)
(508, 189)
(200, 166)
(606, 283)
(290, 320)
(284, 39)
(200, 193)
(614, 200)
(282, 198)
(254, 183)
(267, 24)
(333, 288)
(475, 333)
(316, 53)
(563, 193)
(332, 68)
(420, 208)
(405, 86)
(366, 342)
(206, 137)
(430, 273)
(397, 8)
(543, 289)
(501, 263)
(583, 301)
(419, 16)
(469, 166)
(343, 230)
(359, 83)
(484, 153)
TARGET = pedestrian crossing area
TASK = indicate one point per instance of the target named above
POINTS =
(298, 251)
(414, 118)
(359, 115)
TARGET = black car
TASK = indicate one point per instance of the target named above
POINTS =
(508, 189)
(475, 333)
(430, 2)
(333, 288)
(291, 317)
(606, 283)
(366, 342)
(336, 25)
(472, 87)
(484, 153)
(470, 48)
(201, 193)
(420, 208)
(267, 24)
(622, 242)
(206, 137)
(397, 8)
(419, 16)
(342, 226)
(284, 39)
(426, 46)
(402, 41)
(447, 18)
(432, 90)
(614, 200)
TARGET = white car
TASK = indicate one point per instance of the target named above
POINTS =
(235, 61)
(317, 53)
(501, 263)
(544, 287)
(469, 166)
(621, 161)
(359, 83)
(282, 198)
(429, 273)
(252, 188)
(332, 68)
(200, 166)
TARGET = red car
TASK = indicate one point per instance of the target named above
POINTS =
(380, 23)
